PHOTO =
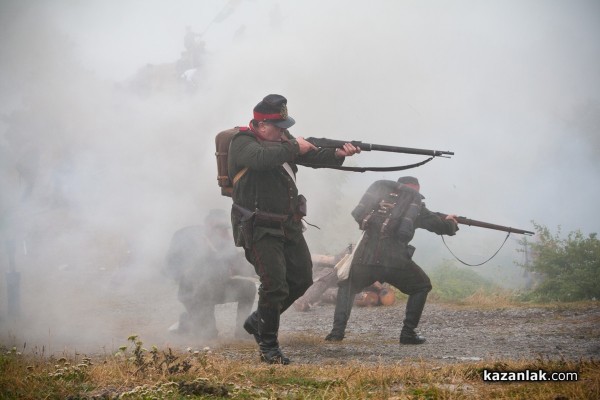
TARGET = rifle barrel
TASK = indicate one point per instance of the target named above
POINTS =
(332, 143)
(487, 225)
(408, 150)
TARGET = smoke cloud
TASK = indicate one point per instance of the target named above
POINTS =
(107, 150)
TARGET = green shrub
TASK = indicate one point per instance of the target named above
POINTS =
(569, 267)
(451, 283)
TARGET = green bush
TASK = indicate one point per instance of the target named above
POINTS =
(569, 267)
(451, 283)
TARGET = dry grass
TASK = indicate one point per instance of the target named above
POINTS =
(137, 373)
(504, 298)
(485, 299)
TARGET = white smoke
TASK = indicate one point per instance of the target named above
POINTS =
(125, 151)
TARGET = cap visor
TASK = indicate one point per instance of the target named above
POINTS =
(285, 124)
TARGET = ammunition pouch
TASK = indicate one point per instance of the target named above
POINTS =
(269, 220)
(410, 250)
(243, 226)
(245, 221)
(300, 207)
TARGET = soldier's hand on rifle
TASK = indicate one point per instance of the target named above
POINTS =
(452, 217)
(305, 146)
(348, 150)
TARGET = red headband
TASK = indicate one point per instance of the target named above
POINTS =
(261, 117)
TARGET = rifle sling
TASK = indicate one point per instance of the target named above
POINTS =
(363, 169)
(481, 263)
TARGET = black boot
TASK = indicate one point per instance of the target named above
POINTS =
(251, 326)
(268, 329)
(414, 309)
(343, 307)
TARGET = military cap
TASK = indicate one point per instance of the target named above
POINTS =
(411, 180)
(273, 109)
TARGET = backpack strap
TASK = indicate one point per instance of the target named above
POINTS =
(241, 172)
(390, 208)
(239, 175)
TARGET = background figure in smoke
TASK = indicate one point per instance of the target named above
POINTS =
(388, 213)
(209, 271)
(267, 214)
(194, 46)
(19, 167)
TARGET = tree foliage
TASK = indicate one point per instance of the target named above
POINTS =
(569, 267)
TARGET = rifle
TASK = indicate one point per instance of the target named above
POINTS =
(487, 225)
(332, 143)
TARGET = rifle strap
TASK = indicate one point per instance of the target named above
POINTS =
(363, 169)
(476, 265)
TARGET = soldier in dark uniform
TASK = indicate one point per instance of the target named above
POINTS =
(209, 271)
(267, 214)
(388, 213)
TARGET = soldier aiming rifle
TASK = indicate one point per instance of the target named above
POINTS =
(388, 213)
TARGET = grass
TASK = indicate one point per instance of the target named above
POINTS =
(481, 297)
(484, 298)
(137, 373)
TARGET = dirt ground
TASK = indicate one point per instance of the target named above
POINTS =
(101, 322)
(453, 334)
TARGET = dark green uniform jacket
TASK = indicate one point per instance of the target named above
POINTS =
(391, 248)
(266, 185)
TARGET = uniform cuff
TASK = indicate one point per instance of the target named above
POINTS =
(295, 146)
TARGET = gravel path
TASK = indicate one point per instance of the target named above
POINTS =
(453, 334)
(101, 320)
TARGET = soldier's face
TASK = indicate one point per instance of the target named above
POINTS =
(413, 186)
(270, 131)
